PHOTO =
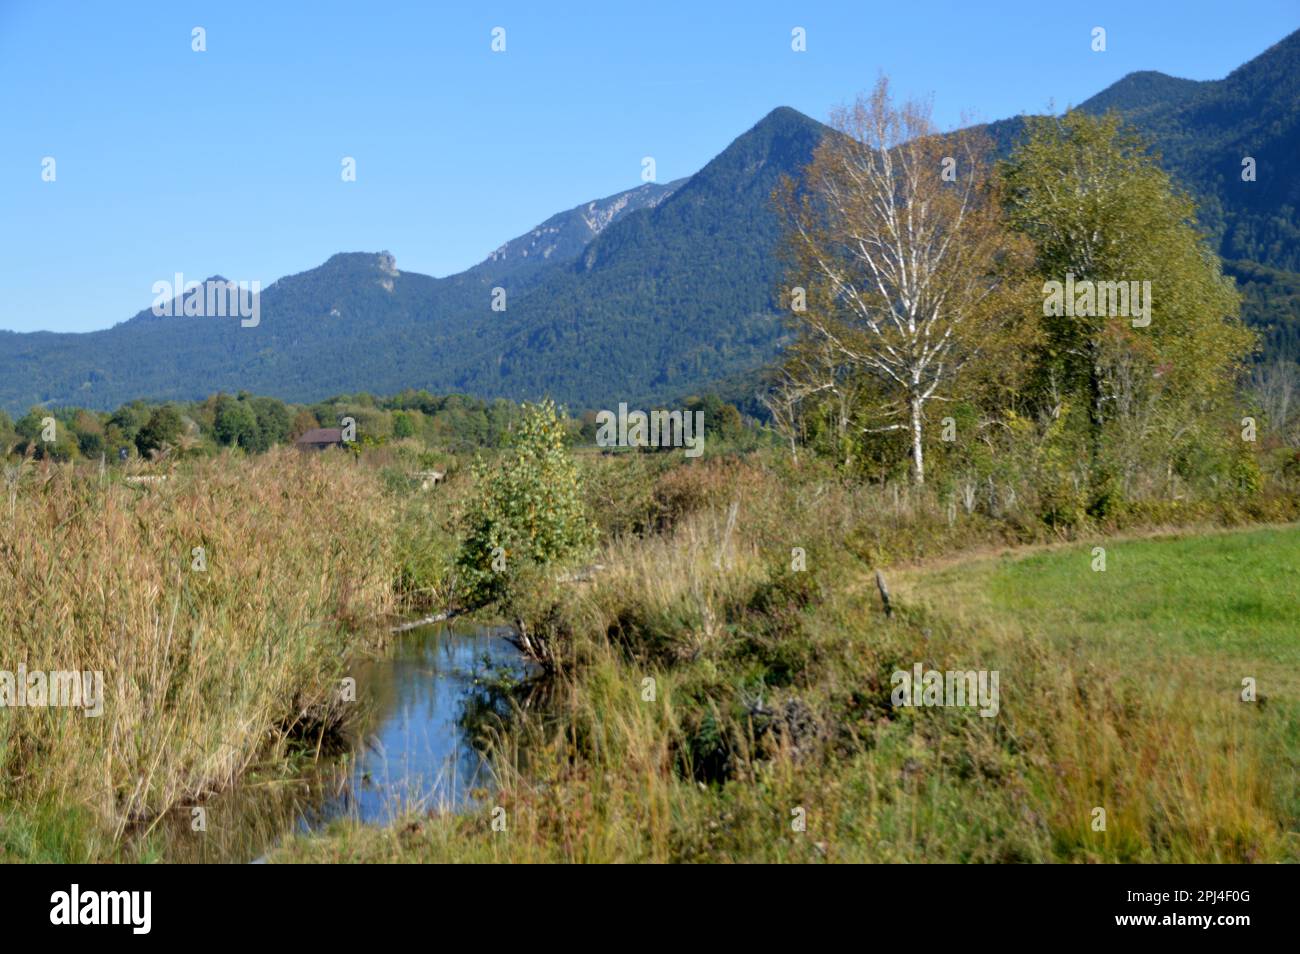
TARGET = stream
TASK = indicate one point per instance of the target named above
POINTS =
(413, 749)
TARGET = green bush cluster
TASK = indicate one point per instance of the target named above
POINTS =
(528, 508)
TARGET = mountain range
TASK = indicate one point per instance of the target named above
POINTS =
(656, 292)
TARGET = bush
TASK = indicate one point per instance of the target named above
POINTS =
(690, 488)
(527, 510)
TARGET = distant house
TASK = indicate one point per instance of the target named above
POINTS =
(320, 438)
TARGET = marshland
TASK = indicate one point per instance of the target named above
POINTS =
(687, 698)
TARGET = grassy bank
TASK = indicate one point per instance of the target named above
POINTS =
(724, 691)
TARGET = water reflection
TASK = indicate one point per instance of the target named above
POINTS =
(420, 753)
(427, 703)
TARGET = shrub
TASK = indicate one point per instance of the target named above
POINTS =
(528, 509)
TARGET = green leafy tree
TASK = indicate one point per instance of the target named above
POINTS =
(161, 430)
(1097, 207)
(528, 509)
(303, 422)
(722, 421)
(29, 425)
(32, 432)
(89, 432)
(8, 436)
(402, 425)
(234, 422)
(127, 420)
(274, 423)
(91, 444)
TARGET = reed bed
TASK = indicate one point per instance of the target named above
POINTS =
(211, 659)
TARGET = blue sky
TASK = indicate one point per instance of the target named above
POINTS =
(228, 161)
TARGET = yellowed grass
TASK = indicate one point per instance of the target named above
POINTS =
(204, 671)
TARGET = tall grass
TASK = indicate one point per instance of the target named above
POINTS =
(205, 671)
(1128, 688)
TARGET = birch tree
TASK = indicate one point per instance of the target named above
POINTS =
(896, 239)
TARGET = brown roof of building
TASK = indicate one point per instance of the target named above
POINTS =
(322, 435)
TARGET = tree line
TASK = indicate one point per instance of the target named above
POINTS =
(923, 287)
(253, 423)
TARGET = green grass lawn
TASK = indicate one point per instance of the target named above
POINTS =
(1229, 602)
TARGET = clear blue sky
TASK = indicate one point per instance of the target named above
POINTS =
(228, 161)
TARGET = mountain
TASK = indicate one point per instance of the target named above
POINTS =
(643, 294)
(352, 321)
(562, 237)
(654, 292)
(670, 298)
(1203, 131)
(1143, 92)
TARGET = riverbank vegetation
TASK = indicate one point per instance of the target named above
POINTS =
(713, 699)
(220, 602)
(740, 584)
